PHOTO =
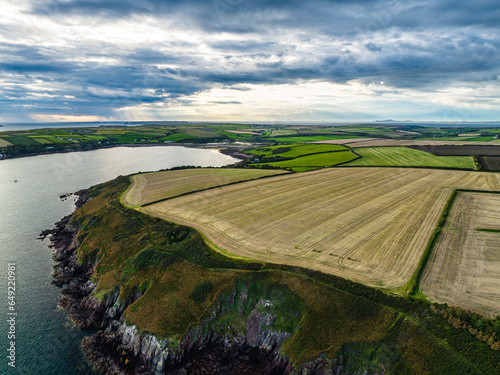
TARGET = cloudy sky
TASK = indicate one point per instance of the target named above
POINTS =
(249, 60)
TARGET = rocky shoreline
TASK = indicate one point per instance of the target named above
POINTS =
(121, 349)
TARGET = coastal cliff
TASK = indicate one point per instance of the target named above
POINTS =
(210, 347)
(166, 303)
(119, 348)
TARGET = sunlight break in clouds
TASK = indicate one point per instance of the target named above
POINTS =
(260, 60)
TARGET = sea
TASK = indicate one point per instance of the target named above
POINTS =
(45, 341)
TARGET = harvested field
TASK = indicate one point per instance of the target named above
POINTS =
(407, 157)
(276, 133)
(423, 142)
(490, 163)
(243, 132)
(465, 263)
(42, 140)
(4, 143)
(370, 225)
(150, 187)
(466, 150)
(23, 140)
(345, 141)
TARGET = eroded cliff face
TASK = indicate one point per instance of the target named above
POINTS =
(243, 333)
(211, 347)
(121, 348)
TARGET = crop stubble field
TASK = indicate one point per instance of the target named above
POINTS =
(404, 156)
(4, 143)
(367, 224)
(421, 142)
(465, 263)
(151, 187)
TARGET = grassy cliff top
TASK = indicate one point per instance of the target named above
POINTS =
(182, 278)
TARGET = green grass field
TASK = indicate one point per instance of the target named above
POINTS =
(176, 137)
(57, 140)
(198, 133)
(407, 157)
(41, 140)
(293, 151)
(95, 137)
(314, 161)
(311, 138)
(234, 135)
(21, 140)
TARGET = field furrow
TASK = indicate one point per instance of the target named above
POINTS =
(151, 187)
(464, 268)
(367, 224)
(404, 156)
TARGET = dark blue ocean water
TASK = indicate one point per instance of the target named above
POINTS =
(47, 343)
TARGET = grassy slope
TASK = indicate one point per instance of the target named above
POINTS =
(402, 156)
(170, 261)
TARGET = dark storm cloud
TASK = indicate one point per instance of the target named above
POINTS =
(312, 14)
(420, 45)
(21, 67)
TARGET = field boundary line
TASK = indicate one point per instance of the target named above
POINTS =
(413, 286)
(300, 156)
(358, 156)
(403, 306)
(265, 163)
(409, 166)
(475, 168)
(200, 190)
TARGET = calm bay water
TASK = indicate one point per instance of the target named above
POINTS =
(46, 341)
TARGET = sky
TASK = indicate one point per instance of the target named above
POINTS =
(249, 60)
